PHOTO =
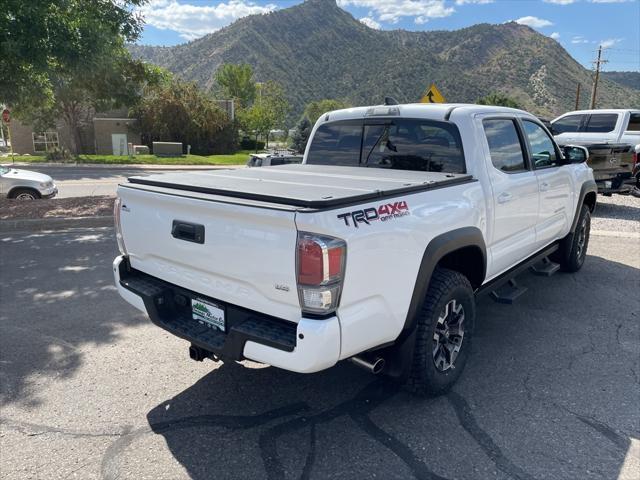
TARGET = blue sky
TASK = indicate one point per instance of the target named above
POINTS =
(579, 25)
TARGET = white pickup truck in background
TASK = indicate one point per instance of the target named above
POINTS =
(613, 140)
(374, 249)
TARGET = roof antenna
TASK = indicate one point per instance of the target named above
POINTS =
(390, 101)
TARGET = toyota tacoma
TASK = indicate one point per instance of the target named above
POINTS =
(374, 249)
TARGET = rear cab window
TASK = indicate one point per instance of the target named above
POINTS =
(397, 144)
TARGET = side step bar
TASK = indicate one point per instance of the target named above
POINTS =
(504, 289)
(545, 267)
(508, 293)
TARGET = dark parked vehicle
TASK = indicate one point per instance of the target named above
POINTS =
(273, 159)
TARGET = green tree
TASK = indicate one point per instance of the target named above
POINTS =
(236, 82)
(103, 83)
(313, 110)
(269, 111)
(301, 135)
(45, 40)
(180, 112)
(498, 99)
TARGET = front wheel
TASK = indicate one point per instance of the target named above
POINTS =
(24, 194)
(573, 248)
(443, 337)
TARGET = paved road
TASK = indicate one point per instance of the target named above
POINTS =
(90, 389)
(88, 181)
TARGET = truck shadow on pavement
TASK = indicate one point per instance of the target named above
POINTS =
(550, 392)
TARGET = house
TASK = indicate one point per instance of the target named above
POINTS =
(107, 133)
(100, 133)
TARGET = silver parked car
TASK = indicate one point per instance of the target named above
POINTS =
(25, 184)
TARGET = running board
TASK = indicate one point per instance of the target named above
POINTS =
(545, 268)
(511, 291)
(508, 293)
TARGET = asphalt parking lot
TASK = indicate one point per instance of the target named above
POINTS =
(91, 389)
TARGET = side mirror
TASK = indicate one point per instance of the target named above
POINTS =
(575, 154)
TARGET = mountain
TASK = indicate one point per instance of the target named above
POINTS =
(627, 79)
(317, 50)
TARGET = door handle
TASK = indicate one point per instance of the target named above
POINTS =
(505, 197)
(544, 186)
(189, 232)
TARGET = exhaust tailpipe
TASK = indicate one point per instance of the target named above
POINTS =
(375, 366)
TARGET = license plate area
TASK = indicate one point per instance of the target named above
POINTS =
(208, 314)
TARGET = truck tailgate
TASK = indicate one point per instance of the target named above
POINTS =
(246, 258)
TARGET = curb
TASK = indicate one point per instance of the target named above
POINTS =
(63, 223)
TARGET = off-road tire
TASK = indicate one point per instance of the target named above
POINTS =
(425, 378)
(573, 247)
(23, 193)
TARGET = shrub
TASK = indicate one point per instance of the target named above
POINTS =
(250, 144)
(58, 154)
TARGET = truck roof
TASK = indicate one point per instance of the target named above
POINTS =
(309, 186)
(600, 110)
(432, 111)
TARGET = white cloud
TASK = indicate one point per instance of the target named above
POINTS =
(371, 23)
(560, 2)
(610, 42)
(579, 39)
(555, 35)
(392, 12)
(534, 22)
(193, 21)
(480, 2)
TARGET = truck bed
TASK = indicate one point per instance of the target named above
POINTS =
(308, 186)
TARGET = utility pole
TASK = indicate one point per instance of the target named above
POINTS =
(577, 97)
(597, 63)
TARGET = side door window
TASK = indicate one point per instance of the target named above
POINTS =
(504, 145)
(634, 123)
(602, 123)
(542, 149)
(568, 124)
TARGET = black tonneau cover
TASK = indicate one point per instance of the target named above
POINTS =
(310, 186)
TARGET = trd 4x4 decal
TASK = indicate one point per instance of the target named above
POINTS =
(385, 212)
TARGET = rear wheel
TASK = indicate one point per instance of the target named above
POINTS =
(573, 248)
(443, 338)
(24, 194)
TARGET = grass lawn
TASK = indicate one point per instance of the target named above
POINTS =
(238, 158)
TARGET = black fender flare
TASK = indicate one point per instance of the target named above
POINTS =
(402, 351)
(587, 187)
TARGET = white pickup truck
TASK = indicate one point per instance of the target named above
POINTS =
(612, 137)
(373, 249)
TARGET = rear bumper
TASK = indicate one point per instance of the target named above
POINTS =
(621, 183)
(309, 346)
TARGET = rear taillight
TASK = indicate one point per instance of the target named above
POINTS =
(320, 261)
(117, 208)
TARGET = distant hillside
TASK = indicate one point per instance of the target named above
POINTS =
(317, 50)
(628, 79)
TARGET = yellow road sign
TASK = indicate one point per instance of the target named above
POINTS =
(433, 95)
